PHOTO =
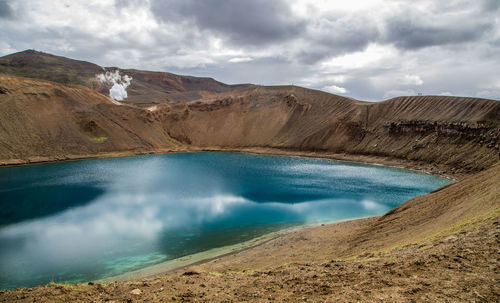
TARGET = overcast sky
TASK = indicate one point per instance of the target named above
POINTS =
(366, 49)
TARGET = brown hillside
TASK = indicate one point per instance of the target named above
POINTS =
(38, 65)
(146, 88)
(457, 132)
(52, 121)
(149, 88)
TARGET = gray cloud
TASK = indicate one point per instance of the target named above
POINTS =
(254, 22)
(448, 46)
(440, 23)
(259, 71)
(5, 9)
(411, 31)
(490, 5)
(337, 34)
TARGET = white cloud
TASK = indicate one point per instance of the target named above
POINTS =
(397, 93)
(370, 205)
(323, 77)
(305, 7)
(335, 89)
(240, 59)
(411, 80)
(489, 94)
(373, 54)
(6, 48)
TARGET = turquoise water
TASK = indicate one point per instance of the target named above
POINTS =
(87, 220)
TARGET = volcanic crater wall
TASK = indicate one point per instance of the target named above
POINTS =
(458, 132)
(43, 121)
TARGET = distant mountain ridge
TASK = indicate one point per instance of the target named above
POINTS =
(146, 88)
(39, 65)
(46, 121)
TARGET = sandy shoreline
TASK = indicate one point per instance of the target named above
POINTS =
(198, 258)
(215, 253)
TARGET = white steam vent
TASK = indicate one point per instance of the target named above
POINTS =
(119, 89)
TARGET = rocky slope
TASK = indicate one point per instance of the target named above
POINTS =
(449, 132)
(47, 121)
(44, 120)
(462, 133)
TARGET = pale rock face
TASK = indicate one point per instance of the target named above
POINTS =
(136, 292)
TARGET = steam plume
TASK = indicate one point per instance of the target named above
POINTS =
(119, 89)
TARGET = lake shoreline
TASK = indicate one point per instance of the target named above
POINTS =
(216, 253)
(428, 168)
(434, 236)
(212, 254)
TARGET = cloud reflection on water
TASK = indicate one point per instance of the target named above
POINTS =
(168, 205)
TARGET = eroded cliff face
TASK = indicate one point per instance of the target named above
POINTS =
(458, 132)
(46, 120)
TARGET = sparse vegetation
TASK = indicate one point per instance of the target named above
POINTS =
(99, 139)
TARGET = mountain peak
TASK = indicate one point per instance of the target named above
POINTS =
(35, 64)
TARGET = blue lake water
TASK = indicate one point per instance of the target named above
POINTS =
(87, 220)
